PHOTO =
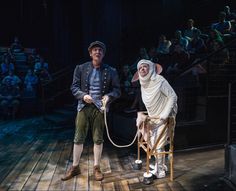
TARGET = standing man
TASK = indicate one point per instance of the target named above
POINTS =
(93, 84)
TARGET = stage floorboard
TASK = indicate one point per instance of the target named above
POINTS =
(37, 159)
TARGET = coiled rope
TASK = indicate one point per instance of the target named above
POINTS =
(104, 102)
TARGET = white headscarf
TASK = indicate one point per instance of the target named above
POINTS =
(150, 86)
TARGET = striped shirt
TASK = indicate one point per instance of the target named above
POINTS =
(94, 88)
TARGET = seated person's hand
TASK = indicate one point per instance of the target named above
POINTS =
(141, 117)
(88, 99)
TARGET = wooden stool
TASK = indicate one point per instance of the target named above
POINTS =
(145, 144)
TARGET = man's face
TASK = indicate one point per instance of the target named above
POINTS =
(97, 54)
(143, 70)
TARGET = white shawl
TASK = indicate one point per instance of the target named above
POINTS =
(157, 95)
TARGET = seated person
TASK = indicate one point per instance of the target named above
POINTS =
(163, 45)
(160, 100)
(33, 58)
(179, 60)
(9, 98)
(39, 66)
(188, 32)
(125, 80)
(14, 79)
(197, 44)
(223, 26)
(30, 83)
(178, 40)
(230, 16)
(6, 66)
(16, 45)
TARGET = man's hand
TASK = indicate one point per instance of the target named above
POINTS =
(88, 99)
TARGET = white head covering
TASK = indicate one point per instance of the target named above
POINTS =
(151, 74)
(150, 88)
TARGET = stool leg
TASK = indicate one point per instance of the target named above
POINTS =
(171, 156)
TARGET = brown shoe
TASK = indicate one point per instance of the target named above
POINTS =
(73, 171)
(97, 173)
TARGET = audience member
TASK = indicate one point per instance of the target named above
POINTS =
(163, 45)
(179, 40)
(12, 78)
(6, 66)
(188, 32)
(223, 26)
(197, 44)
(30, 83)
(9, 99)
(39, 66)
(16, 45)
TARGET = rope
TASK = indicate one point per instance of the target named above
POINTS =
(107, 130)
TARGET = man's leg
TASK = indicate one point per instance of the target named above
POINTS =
(97, 130)
(80, 135)
(97, 150)
(77, 151)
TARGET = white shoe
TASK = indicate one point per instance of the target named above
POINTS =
(165, 167)
(151, 166)
(160, 174)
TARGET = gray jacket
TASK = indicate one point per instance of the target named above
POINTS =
(110, 84)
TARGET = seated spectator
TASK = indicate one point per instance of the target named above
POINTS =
(6, 66)
(197, 44)
(222, 57)
(214, 35)
(30, 83)
(40, 66)
(230, 16)
(188, 32)
(12, 78)
(9, 99)
(33, 58)
(179, 60)
(223, 26)
(152, 54)
(44, 75)
(16, 45)
(179, 40)
(163, 45)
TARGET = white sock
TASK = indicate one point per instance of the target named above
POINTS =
(77, 150)
(97, 150)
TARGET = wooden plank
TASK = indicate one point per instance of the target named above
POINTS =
(56, 183)
(11, 153)
(12, 176)
(163, 187)
(110, 186)
(176, 186)
(47, 175)
(31, 163)
(34, 178)
(134, 184)
(69, 184)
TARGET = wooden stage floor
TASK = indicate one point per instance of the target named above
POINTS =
(36, 159)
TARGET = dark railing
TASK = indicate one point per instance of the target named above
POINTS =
(214, 82)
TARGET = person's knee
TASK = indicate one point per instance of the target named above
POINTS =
(98, 141)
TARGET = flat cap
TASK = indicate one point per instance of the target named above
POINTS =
(97, 44)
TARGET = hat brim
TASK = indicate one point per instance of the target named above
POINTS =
(136, 76)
